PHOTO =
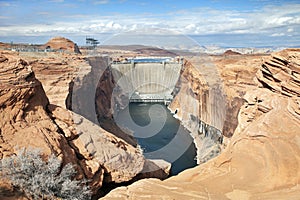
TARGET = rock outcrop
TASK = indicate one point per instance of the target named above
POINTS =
(23, 111)
(24, 118)
(28, 120)
(230, 53)
(261, 159)
(4, 45)
(57, 72)
(104, 157)
(281, 73)
(61, 43)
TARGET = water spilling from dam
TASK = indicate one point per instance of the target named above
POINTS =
(159, 134)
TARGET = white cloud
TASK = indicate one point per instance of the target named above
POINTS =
(272, 21)
(277, 34)
(190, 26)
(97, 2)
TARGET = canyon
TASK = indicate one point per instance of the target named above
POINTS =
(243, 112)
(260, 159)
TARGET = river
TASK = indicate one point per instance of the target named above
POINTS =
(159, 134)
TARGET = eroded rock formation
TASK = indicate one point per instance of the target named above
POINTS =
(231, 53)
(28, 120)
(261, 158)
(24, 119)
(281, 73)
(260, 118)
(61, 43)
(57, 71)
(23, 111)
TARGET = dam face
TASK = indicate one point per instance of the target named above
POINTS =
(147, 80)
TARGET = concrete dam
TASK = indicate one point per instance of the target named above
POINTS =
(147, 79)
(152, 80)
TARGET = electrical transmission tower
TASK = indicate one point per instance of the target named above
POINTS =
(91, 41)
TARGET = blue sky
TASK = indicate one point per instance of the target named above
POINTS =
(210, 22)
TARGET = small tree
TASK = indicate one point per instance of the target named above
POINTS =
(39, 179)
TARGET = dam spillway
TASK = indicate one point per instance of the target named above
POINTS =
(147, 79)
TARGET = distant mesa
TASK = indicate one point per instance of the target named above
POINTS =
(3, 45)
(230, 53)
(61, 43)
(154, 51)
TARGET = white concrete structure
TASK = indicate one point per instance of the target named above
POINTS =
(147, 81)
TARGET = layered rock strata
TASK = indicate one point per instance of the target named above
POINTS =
(281, 73)
(261, 159)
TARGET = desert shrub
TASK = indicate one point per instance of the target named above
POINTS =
(40, 179)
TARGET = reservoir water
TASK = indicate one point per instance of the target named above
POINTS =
(159, 134)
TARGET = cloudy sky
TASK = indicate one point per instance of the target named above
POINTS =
(230, 23)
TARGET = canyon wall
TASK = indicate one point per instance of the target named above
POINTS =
(200, 104)
(57, 72)
(209, 96)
